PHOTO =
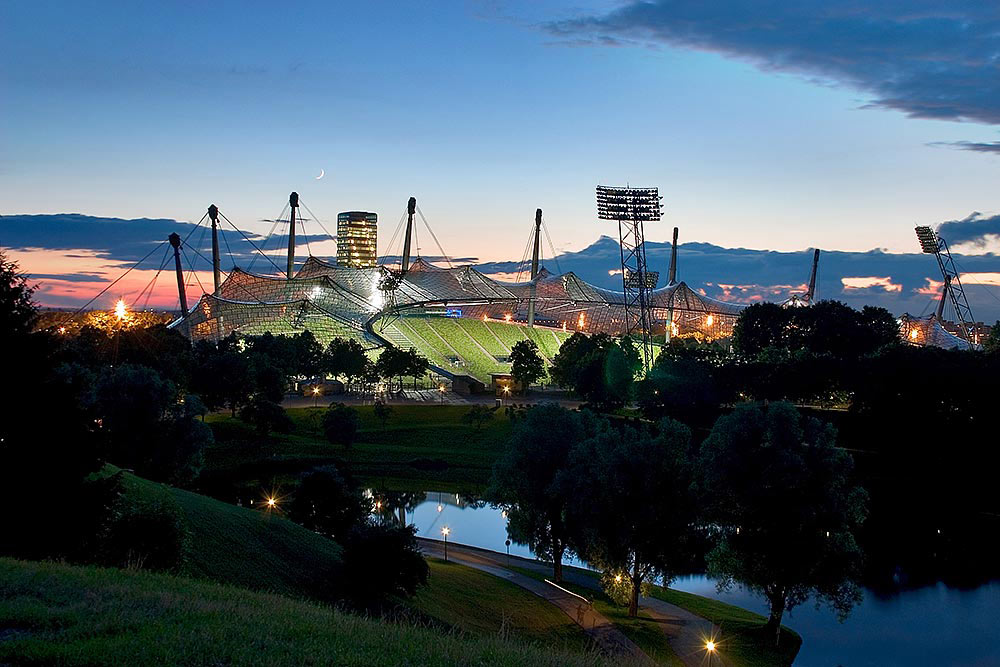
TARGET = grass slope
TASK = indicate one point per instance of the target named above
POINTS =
(482, 604)
(58, 614)
(245, 547)
(423, 447)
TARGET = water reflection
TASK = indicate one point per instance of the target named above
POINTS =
(933, 625)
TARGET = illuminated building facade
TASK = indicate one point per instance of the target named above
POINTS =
(357, 239)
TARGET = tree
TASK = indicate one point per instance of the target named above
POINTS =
(222, 375)
(683, 383)
(527, 365)
(530, 483)
(992, 343)
(786, 510)
(640, 511)
(478, 415)
(266, 416)
(382, 561)
(382, 412)
(759, 326)
(148, 426)
(599, 368)
(340, 424)
(346, 358)
(328, 504)
(48, 444)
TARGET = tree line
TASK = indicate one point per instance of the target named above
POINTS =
(766, 501)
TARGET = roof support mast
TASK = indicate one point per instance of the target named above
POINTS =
(672, 276)
(293, 203)
(213, 215)
(534, 268)
(175, 241)
(411, 208)
(812, 277)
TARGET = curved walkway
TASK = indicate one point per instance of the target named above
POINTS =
(686, 632)
(609, 638)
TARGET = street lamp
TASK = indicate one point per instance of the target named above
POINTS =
(315, 396)
(441, 391)
(445, 531)
(710, 651)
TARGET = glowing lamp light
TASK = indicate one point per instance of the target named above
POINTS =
(121, 310)
(709, 321)
(710, 646)
(581, 321)
(618, 578)
(913, 334)
(446, 531)
(507, 317)
(272, 502)
(440, 508)
(315, 391)
(485, 318)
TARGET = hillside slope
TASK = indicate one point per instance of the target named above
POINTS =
(249, 548)
(52, 613)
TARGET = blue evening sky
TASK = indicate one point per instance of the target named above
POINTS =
(483, 111)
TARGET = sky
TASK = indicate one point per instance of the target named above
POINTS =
(766, 125)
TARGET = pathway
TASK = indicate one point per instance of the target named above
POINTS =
(605, 634)
(686, 632)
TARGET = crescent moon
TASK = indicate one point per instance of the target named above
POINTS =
(322, 173)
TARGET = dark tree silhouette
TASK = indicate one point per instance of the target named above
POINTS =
(786, 509)
(526, 363)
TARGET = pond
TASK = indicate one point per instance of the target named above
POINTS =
(933, 625)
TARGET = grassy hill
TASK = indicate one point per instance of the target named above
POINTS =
(245, 547)
(59, 614)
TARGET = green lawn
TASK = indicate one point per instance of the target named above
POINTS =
(58, 614)
(423, 447)
(249, 548)
(482, 604)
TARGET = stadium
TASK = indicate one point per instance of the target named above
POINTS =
(462, 320)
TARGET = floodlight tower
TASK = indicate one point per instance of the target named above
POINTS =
(632, 207)
(534, 269)
(933, 244)
(293, 203)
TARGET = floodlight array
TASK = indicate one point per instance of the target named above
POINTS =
(928, 240)
(635, 204)
(649, 279)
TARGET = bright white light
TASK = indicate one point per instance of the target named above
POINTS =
(121, 311)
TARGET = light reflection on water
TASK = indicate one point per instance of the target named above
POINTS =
(935, 625)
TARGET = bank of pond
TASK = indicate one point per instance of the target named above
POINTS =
(934, 624)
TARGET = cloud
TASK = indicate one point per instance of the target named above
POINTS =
(973, 229)
(977, 146)
(127, 240)
(927, 59)
(870, 282)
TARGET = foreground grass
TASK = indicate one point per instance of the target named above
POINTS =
(245, 547)
(483, 604)
(421, 448)
(59, 614)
